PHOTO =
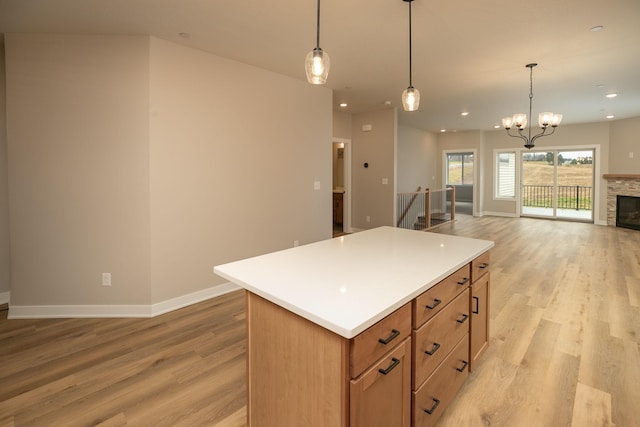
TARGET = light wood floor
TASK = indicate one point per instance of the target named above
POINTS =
(565, 334)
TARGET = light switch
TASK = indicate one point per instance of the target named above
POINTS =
(385, 181)
(316, 185)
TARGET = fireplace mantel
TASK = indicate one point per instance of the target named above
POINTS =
(620, 176)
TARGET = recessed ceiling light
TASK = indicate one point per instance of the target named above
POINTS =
(443, 130)
(464, 113)
(610, 116)
(611, 95)
(596, 28)
(497, 126)
(343, 104)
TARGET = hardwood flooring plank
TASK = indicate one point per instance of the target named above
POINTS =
(592, 407)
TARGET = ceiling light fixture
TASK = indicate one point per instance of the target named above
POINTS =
(611, 95)
(411, 95)
(519, 120)
(317, 62)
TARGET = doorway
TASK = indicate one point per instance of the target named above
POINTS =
(558, 184)
(460, 173)
(341, 194)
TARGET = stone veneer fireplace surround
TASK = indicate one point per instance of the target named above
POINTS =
(623, 185)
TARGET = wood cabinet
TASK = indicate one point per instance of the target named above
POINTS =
(381, 395)
(300, 373)
(402, 371)
(338, 210)
(441, 346)
(480, 318)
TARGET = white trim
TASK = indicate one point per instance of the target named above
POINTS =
(346, 214)
(5, 297)
(475, 206)
(503, 214)
(103, 311)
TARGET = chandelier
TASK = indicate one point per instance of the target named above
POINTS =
(545, 120)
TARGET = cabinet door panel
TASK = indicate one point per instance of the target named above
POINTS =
(436, 298)
(480, 265)
(435, 395)
(379, 339)
(436, 338)
(479, 319)
(381, 395)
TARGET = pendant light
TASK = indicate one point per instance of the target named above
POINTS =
(317, 62)
(411, 95)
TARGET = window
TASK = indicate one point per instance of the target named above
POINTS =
(459, 168)
(505, 169)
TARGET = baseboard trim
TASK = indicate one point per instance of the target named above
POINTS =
(4, 297)
(105, 311)
(502, 214)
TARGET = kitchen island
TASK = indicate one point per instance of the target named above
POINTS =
(336, 329)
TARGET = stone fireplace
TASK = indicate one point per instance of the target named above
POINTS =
(619, 185)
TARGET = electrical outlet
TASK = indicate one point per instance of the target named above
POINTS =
(296, 243)
(106, 279)
(368, 218)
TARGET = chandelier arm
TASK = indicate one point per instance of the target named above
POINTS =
(543, 133)
(521, 136)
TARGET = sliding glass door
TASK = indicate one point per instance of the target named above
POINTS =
(557, 184)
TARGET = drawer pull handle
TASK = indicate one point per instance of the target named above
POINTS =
(436, 402)
(436, 302)
(477, 309)
(464, 318)
(394, 334)
(484, 265)
(464, 366)
(463, 281)
(394, 363)
(435, 348)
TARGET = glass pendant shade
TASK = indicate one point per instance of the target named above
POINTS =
(316, 65)
(411, 99)
(555, 120)
(507, 122)
(520, 120)
(544, 119)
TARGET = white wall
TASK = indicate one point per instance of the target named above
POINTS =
(235, 151)
(78, 147)
(417, 159)
(376, 147)
(154, 162)
(5, 265)
(624, 141)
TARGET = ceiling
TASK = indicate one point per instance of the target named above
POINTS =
(468, 56)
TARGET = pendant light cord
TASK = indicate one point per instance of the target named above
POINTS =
(530, 97)
(318, 28)
(410, 64)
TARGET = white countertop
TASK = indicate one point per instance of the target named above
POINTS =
(348, 283)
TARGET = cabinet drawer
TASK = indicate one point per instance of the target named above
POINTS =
(382, 395)
(434, 299)
(435, 395)
(480, 265)
(379, 339)
(436, 338)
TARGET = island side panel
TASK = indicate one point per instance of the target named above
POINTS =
(297, 371)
